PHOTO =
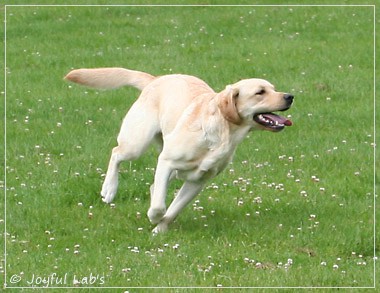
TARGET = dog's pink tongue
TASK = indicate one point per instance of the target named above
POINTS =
(279, 119)
(288, 122)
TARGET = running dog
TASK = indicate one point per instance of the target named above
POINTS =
(196, 128)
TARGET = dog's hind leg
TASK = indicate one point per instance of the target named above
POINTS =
(119, 154)
(135, 135)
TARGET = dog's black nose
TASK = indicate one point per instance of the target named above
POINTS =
(289, 98)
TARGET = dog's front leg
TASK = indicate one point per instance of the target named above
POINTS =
(186, 194)
(161, 180)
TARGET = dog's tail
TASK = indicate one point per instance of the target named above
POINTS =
(110, 78)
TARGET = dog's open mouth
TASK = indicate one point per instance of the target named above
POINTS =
(271, 121)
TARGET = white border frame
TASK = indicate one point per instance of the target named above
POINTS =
(184, 5)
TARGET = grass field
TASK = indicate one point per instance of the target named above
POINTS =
(294, 209)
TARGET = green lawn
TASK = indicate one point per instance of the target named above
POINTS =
(294, 209)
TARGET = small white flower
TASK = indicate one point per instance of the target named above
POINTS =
(176, 246)
(303, 193)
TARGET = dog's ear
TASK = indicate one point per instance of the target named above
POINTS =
(227, 105)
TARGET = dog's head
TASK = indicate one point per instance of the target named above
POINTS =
(252, 102)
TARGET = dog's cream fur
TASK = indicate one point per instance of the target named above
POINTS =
(198, 129)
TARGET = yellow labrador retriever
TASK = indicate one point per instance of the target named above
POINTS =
(197, 128)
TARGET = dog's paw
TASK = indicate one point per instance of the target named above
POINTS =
(108, 194)
(160, 228)
(155, 215)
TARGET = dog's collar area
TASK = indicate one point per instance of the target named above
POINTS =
(272, 121)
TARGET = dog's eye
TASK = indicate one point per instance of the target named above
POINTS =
(261, 92)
